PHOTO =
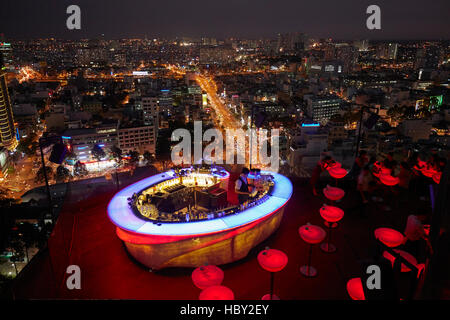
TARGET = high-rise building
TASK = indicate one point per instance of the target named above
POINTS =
(387, 51)
(7, 129)
(291, 42)
(6, 51)
(322, 108)
(392, 49)
(150, 110)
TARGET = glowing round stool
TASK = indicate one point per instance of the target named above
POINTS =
(313, 235)
(333, 165)
(337, 172)
(428, 172)
(390, 237)
(216, 293)
(331, 215)
(207, 276)
(389, 180)
(355, 289)
(333, 193)
(272, 260)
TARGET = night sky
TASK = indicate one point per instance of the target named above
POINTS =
(400, 19)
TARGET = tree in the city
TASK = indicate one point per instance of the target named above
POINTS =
(395, 112)
(116, 152)
(62, 173)
(148, 157)
(98, 152)
(18, 252)
(39, 178)
(27, 233)
(71, 157)
(134, 158)
(80, 169)
(27, 146)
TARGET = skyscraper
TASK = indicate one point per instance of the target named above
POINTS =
(7, 134)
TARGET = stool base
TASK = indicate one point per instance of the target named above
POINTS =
(331, 225)
(312, 272)
(328, 247)
(267, 297)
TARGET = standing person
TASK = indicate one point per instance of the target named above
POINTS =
(404, 177)
(363, 186)
(319, 168)
(242, 187)
(360, 162)
(389, 162)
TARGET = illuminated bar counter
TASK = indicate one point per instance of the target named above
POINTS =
(192, 236)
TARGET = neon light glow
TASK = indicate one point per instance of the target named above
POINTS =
(310, 124)
(390, 237)
(195, 243)
(122, 216)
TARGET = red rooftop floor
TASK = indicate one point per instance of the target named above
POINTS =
(84, 236)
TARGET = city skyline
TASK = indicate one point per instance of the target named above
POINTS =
(402, 20)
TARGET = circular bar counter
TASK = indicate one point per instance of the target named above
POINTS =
(216, 241)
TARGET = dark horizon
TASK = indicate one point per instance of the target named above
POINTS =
(346, 20)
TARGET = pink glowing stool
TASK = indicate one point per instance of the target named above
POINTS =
(389, 180)
(337, 172)
(216, 293)
(355, 289)
(390, 237)
(331, 215)
(333, 193)
(207, 276)
(313, 235)
(272, 260)
(409, 257)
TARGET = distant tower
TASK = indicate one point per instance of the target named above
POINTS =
(7, 130)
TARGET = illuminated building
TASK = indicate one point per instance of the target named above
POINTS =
(321, 108)
(83, 140)
(7, 129)
(6, 51)
(291, 42)
(176, 219)
(217, 55)
(150, 110)
(137, 138)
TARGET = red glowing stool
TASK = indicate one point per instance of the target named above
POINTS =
(428, 172)
(311, 234)
(272, 260)
(216, 293)
(437, 177)
(337, 172)
(389, 180)
(355, 289)
(333, 193)
(390, 237)
(333, 165)
(207, 276)
(409, 257)
(331, 215)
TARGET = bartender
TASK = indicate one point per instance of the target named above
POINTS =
(242, 187)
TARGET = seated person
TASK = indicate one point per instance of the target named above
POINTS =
(415, 235)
